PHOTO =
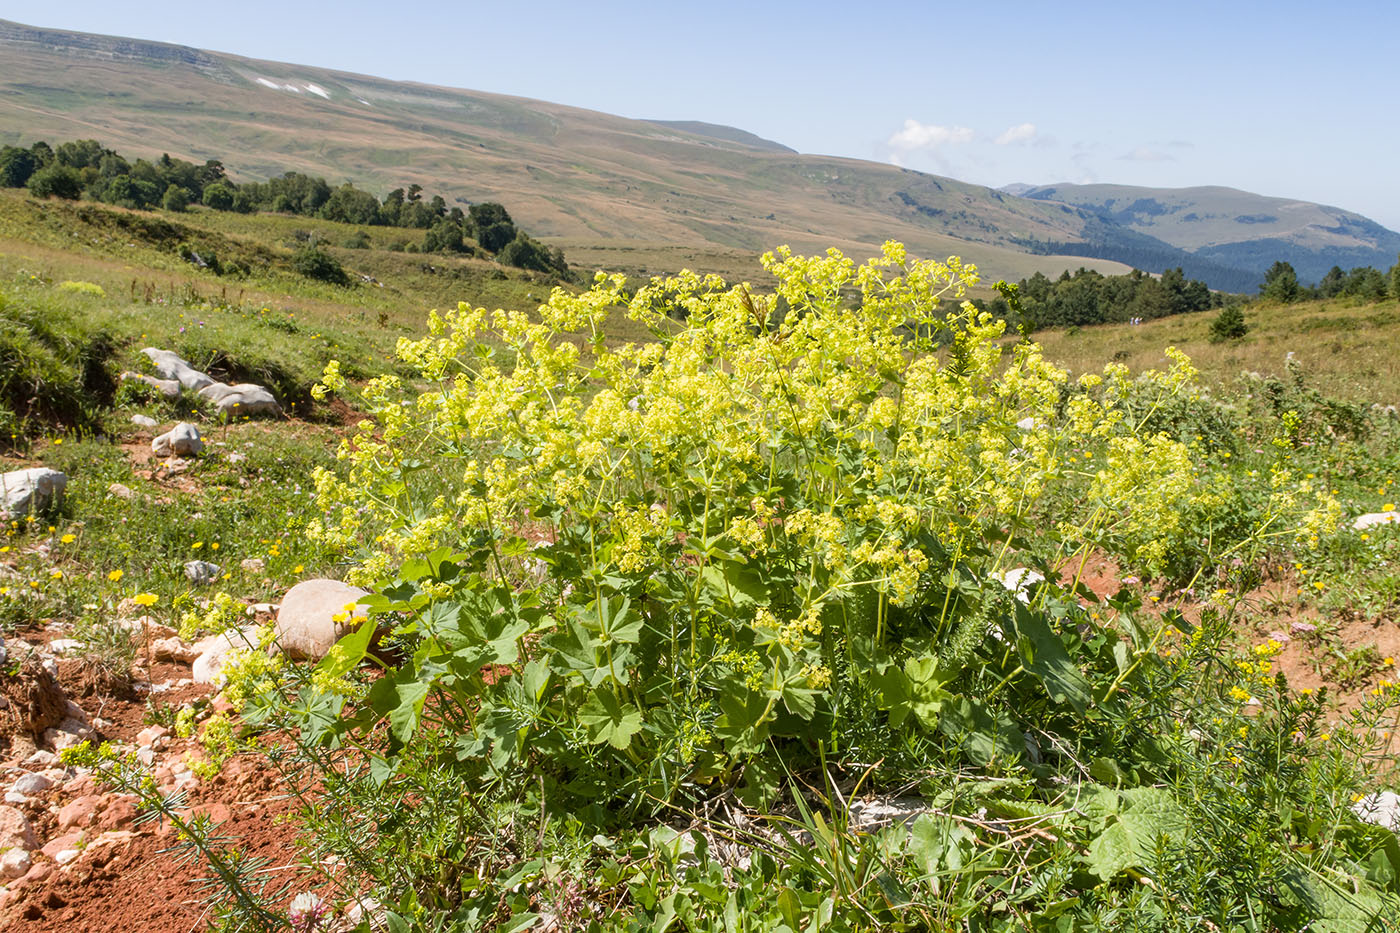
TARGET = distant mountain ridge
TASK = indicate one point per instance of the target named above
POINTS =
(573, 175)
(1233, 228)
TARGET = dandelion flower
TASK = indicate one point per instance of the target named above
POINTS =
(145, 599)
(68, 538)
(115, 576)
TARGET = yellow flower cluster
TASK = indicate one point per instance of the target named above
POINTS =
(846, 418)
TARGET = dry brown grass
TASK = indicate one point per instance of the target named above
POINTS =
(1349, 349)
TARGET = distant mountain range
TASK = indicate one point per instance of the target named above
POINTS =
(1234, 229)
(579, 176)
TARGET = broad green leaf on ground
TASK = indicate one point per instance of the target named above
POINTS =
(1339, 905)
(985, 736)
(403, 718)
(915, 689)
(609, 719)
(1134, 819)
(940, 844)
(1043, 654)
(736, 584)
(347, 653)
(742, 724)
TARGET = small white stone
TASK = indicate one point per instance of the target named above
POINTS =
(67, 855)
(1382, 809)
(15, 863)
(31, 784)
(201, 572)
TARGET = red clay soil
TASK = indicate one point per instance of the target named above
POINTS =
(138, 883)
(142, 886)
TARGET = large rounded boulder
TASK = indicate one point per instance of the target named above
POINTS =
(315, 614)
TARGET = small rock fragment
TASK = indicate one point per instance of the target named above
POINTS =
(14, 863)
(31, 784)
(183, 440)
(156, 737)
(79, 813)
(15, 831)
(201, 572)
(173, 649)
(169, 366)
(1372, 519)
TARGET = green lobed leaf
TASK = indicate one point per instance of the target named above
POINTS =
(609, 719)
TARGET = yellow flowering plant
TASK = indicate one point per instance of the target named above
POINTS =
(782, 523)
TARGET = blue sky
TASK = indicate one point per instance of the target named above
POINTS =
(1287, 99)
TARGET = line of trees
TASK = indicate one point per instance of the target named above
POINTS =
(1088, 297)
(85, 169)
(1365, 282)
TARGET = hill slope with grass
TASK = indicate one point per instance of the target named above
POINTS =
(572, 175)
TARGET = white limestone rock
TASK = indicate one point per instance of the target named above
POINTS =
(244, 400)
(1019, 580)
(201, 572)
(313, 617)
(183, 440)
(169, 388)
(170, 366)
(215, 650)
(31, 490)
(1382, 809)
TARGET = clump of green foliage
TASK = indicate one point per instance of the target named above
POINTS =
(315, 263)
(1229, 324)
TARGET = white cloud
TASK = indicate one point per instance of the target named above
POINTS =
(916, 136)
(1016, 134)
(1145, 154)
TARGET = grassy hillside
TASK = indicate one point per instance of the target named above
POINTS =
(563, 172)
(1346, 347)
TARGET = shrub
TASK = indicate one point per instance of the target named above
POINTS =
(219, 196)
(56, 181)
(315, 263)
(175, 199)
(82, 288)
(1229, 324)
(525, 252)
